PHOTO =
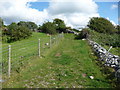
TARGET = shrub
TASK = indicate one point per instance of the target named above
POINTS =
(83, 34)
(106, 39)
(15, 32)
(31, 25)
(60, 25)
(101, 25)
(49, 28)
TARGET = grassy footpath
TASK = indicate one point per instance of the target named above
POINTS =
(67, 65)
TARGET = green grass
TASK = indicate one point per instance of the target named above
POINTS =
(23, 51)
(66, 65)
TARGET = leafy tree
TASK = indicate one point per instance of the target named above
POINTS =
(49, 27)
(16, 32)
(101, 25)
(60, 25)
(31, 25)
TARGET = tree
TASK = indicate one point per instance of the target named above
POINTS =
(16, 32)
(31, 25)
(101, 25)
(49, 27)
(60, 25)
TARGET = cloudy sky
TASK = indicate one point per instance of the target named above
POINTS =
(75, 13)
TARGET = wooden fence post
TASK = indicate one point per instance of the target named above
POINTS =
(62, 35)
(39, 47)
(9, 60)
(50, 41)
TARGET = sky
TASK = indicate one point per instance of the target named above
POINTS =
(75, 13)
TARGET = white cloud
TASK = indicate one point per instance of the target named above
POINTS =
(114, 6)
(17, 10)
(74, 13)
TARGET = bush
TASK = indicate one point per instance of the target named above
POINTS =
(49, 28)
(15, 32)
(105, 39)
(101, 25)
(31, 25)
(60, 25)
(83, 34)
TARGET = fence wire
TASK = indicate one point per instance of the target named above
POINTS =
(22, 53)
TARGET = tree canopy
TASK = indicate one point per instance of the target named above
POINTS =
(15, 32)
(101, 25)
(31, 25)
(49, 27)
(60, 25)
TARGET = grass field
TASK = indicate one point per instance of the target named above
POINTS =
(23, 51)
(68, 64)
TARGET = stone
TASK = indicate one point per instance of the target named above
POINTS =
(91, 77)
(46, 44)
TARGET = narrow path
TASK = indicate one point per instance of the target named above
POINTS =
(67, 65)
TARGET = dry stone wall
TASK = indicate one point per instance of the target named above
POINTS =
(109, 59)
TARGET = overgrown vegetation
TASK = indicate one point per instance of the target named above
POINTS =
(15, 32)
(101, 25)
(49, 28)
(102, 31)
(106, 39)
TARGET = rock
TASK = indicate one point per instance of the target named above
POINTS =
(91, 77)
(83, 39)
(47, 44)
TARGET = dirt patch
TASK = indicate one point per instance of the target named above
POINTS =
(83, 75)
(57, 55)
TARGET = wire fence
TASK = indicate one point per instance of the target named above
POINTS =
(18, 55)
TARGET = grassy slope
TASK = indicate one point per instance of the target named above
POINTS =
(68, 64)
(27, 48)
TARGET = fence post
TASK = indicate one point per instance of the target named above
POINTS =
(50, 41)
(62, 35)
(9, 60)
(39, 47)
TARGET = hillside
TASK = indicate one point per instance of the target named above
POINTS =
(69, 64)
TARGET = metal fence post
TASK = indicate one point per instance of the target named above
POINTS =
(9, 60)
(39, 47)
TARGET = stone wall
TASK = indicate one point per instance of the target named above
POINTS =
(108, 58)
